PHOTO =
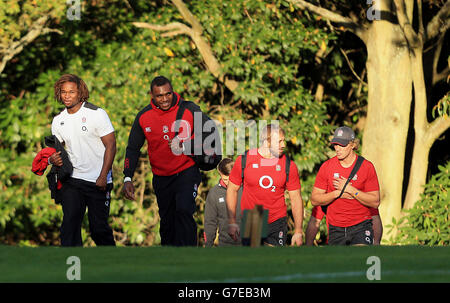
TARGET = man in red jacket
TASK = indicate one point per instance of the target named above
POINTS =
(176, 177)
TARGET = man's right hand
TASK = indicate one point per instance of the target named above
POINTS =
(234, 231)
(55, 159)
(128, 190)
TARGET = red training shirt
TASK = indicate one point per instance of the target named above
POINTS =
(318, 213)
(265, 183)
(347, 212)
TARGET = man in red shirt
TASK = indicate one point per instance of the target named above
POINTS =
(265, 184)
(176, 177)
(349, 218)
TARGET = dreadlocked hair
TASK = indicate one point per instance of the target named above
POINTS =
(83, 92)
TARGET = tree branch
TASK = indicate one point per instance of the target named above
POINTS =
(413, 39)
(36, 29)
(437, 128)
(47, 30)
(347, 23)
(177, 27)
(188, 16)
(440, 22)
(327, 14)
(420, 17)
(351, 67)
(444, 74)
(439, 76)
(195, 33)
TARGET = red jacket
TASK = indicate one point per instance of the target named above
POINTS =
(40, 162)
(156, 126)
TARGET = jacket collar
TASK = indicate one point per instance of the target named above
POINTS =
(222, 184)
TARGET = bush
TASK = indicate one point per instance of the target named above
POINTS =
(427, 223)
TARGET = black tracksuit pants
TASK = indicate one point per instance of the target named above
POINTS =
(176, 201)
(76, 196)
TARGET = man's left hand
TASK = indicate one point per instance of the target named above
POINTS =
(101, 182)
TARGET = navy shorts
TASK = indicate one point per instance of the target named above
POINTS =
(277, 233)
(359, 234)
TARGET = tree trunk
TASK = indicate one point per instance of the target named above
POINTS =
(425, 133)
(394, 66)
(389, 105)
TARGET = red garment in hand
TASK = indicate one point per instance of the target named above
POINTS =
(40, 162)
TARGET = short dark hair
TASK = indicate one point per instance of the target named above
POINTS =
(159, 81)
(266, 132)
(83, 91)
(225, 165)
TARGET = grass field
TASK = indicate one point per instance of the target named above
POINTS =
(225, 265)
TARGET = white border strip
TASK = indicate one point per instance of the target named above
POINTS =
(324, 276)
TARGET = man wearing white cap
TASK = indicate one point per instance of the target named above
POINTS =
(347, 204)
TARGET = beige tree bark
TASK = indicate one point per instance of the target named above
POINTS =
(426, 133)
(394, 72)
(388, 109)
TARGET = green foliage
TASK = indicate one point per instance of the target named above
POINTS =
(442, 107)
(16, 17)
(28, 211)
(266, 46)
(428, 222)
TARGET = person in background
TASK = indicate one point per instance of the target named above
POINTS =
(216, 214)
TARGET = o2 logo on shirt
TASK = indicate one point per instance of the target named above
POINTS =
(270, 185)
(165, 131)
(84, 128)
